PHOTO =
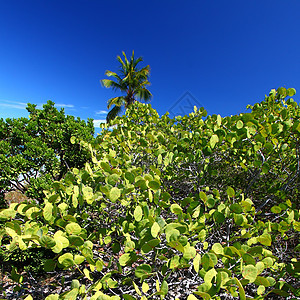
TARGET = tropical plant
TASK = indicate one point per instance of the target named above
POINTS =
(130, 80)
(196, 207)
(35, 151)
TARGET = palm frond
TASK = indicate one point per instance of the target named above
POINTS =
(113, 74)
(108, 83)
(135, 62)
(123, 69)
(113, 113)
(118, 101)
(143, 94)
(126, 60)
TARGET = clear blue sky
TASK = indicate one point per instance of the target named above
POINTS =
(227, 54)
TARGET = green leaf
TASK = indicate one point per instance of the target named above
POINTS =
(154, 185)
(163, 288)
(291, 92)
(248, 259)
(239, 124)
(107, 240)
(236, 208)
(124, 259)
(155, 229)
(262, 281)
(79, 259)
(230, 192)
(61, 243)
(112, 179)
(75, 284)
(260, 266)
(265, 239)
(138, 213)
(66, 260)
(73, 228)
(47, 212)
(209, 260)
(203, 196)
(189, 252)
(176, 209)
(255, 251)
(203, 295)
(210, 202)
(32, 212)
(105, 166)
(75, 200)
(52, 297)
(72, 295)
(217, 248)
(87, 274)
(279, 292)
(214, 139)
(176, 244)
(174, 262)
(238, 219)
(145, 287)
(47, 242)
(128, 297)
(75, 240)
(219, 217)
(150, 245)
(129, 246)
(143, 271)
(209, 275)
(7, 214)
(49, 265)
(130, 177)
(87, 252)
(250, 272)
(242, 293)
(114, 194)
(268, 262)
(196, 263)
(260, 290)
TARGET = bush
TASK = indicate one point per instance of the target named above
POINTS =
(37, 150)
(196, 206)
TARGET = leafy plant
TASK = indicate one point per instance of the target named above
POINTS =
(37, 150)
(196, 206)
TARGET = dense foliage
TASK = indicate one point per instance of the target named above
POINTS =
(131, 81)
(186, 208)
(35, 151)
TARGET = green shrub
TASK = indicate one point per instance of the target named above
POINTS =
(176, 208)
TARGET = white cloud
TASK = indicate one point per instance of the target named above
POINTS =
(13, 104)
(98, 122)
(23, 105)
(101, 112)
(64, 105)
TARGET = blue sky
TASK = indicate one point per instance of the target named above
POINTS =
(224, 54)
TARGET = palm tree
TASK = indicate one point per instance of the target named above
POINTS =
(130, 80)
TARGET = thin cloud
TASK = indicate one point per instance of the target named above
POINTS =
(23, 105)
(98, 122)
(64, 105)
(13, 104)
(101, 112)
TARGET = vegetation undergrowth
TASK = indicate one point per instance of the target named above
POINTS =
(196, 207)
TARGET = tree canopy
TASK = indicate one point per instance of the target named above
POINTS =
(130, 80)
(35, 151)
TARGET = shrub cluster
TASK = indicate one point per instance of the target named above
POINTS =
(196, 207)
